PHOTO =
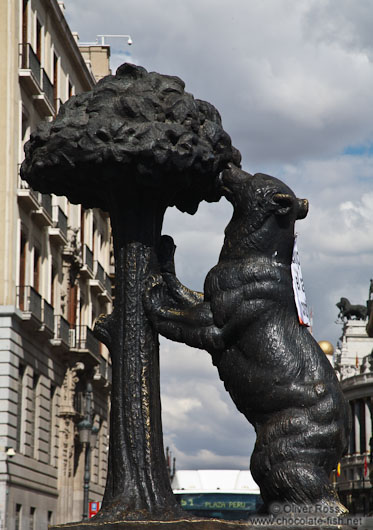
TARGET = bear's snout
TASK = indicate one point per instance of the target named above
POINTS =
(302, 208)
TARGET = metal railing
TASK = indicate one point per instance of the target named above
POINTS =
(99, 272)
(78, 402)
(29, 300)
(107, 283)
(46, 202)
(88, 257)
(48, 87)
(60, 220)
(48, 315)
(30, 61)
(82, 338)
(61, 329)
(23, 185)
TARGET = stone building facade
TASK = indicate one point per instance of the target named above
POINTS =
(354, 366)
(54, 282)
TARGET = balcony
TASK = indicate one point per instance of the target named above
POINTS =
(61, 333)
(108, 285)
(29, 70)
(86, 270)
(27, 197)
(58, 232)
(43, 215)
(103, 374)
(44, 102)
(101, 283)
(83, 342)
(47, 313)
(29, 302)
(34, 79)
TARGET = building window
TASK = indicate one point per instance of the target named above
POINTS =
(22, 272)
(20, 408)
(55, 79)
(53, 426)
(82, 225)
(71, 305)
(361, 406)
(25, 22)
(37, 264)
(94, 235)
(96, 452)
(352, 434)
(33, 418)
(17, 517)
(39, 40)
(103, 449)
(32, 524)
(53, 286)
(50, 517)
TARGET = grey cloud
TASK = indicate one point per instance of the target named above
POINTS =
(349, 26)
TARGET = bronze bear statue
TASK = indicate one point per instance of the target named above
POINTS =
(272, 367)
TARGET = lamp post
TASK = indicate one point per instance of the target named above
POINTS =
(88, 436)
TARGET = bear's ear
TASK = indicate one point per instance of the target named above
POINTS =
(284, 203)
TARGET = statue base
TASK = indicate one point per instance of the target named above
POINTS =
(202, 524)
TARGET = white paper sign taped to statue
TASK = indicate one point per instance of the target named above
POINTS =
(298, 287)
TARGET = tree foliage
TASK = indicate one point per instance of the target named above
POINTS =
(133, 129)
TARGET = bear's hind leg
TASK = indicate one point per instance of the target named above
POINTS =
(294, 482)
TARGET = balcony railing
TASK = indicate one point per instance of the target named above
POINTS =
(26, 195)
(108, 284)
(62, 222)
(29, 301)
(61, 329)
(59, 229)
(43, 215)
(82, 338)
(48, 315)
(29, 61)
(48, 87)
(46, 202)
(87, 260)
(100, 273)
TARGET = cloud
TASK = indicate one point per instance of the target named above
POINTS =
(292, 80)
(349, 26)
(200, 420)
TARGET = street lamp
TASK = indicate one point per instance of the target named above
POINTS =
(88, 437)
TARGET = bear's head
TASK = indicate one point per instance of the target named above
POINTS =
(265, 210)
(261, 193)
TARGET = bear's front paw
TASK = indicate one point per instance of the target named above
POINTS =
(155, 296)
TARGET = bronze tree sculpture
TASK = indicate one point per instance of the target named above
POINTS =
(134, 145)
(273, 368)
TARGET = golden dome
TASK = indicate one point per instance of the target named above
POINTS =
(327, 347)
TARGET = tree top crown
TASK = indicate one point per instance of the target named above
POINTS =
(133, 129)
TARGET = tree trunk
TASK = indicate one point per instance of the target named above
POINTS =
(138, 485)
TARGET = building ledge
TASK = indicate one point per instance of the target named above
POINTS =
(57, 236)
(29, 82)
(43, 105)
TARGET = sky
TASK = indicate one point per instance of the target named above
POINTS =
(292, 80)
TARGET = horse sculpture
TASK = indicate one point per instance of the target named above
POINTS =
(348, 311)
